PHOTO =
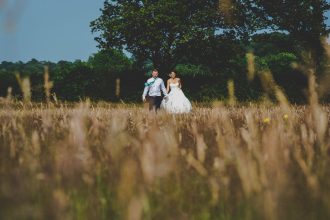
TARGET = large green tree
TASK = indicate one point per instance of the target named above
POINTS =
(156, 29)
(303, 20)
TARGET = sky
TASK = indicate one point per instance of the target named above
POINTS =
(49, 30)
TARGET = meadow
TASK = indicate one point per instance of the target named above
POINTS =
(64, 155)
(224, 160)
(105, 161)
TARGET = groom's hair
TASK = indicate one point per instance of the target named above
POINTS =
(155, 70)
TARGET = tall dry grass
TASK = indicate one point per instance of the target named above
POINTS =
(100, 162)
(104, 161)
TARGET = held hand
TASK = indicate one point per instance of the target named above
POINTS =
(144, 99)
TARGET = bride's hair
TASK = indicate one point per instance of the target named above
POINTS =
(175, 72)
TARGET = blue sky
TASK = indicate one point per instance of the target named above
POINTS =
(49, 30)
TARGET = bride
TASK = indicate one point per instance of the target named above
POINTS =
(175, 101)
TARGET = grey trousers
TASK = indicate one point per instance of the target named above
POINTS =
(154, 102)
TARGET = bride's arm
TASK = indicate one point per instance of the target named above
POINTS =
(180, 85)
(167, 87)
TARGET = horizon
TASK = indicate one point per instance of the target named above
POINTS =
(58, 36)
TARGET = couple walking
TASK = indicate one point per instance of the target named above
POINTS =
(174, 100)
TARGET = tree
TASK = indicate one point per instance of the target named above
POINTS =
(108, 66)
(111, 62)
(72, 80)
(265, 44)
(156, 29)
(304, 20)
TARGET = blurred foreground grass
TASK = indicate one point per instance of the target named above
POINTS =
(106, 161)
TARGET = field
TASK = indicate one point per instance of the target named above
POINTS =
(103, 161)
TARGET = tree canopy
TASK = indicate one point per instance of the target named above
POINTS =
(156, 30)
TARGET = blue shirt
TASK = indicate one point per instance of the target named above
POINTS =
(153, 87)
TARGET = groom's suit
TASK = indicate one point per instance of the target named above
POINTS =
(153, 89)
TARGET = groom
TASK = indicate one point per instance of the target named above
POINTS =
(153, 88)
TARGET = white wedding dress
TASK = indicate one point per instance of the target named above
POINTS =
(176, 101)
